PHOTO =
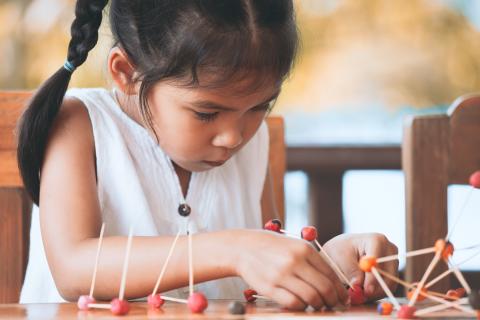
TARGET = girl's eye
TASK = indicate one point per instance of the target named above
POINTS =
(206, 117)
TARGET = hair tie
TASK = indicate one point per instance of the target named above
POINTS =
(69, 66)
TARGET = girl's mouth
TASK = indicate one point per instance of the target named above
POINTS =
(214, 163)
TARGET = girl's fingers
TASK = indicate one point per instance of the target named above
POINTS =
(378, 247)
(305, 291)
(324, 273)
(347, 261)
(287, 299)
(390, 267)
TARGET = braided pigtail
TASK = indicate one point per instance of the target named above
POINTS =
(38, 118)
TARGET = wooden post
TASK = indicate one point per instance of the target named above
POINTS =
(325, 203)
(426, 185)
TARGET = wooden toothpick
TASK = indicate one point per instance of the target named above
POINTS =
(289, 234)
(461, 279)
(448, 304)
(440, 307)
(407, 254)
(334, 266)
(164, 268)
(440, 277)
(121, 294)
(385, 288)
(100, 306)
(174, 299)
(411, 286)
(97, 257)
(190, 263)
(429, 270)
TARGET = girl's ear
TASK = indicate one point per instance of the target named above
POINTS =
(122, 71)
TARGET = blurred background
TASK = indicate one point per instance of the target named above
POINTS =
(364, 66)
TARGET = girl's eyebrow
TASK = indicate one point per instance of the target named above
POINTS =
(205, 104)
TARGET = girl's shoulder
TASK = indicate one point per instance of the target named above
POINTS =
(73, 117)
(71, 129)
(70, 145)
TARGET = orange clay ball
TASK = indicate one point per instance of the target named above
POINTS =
(446, 248)
(385, 308)
(420, 296)
(461, 292)
(452, 294)
(367, 263)
(455, 294)
(440, 245)
(448, 251)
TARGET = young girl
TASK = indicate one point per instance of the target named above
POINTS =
(184, 125)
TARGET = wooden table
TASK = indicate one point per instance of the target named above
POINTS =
(218, 309)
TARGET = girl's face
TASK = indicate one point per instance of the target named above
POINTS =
(202, 128)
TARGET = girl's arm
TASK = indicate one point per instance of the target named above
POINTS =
(70, 223)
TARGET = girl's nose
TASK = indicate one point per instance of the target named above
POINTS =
(229, 139)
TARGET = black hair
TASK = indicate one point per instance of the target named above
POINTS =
(197, 43)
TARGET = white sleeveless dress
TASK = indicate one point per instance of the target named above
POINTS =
(135, 183)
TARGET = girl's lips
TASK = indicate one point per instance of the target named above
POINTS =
(214, 163)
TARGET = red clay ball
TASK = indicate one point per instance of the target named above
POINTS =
(249, 295)
(273, 225)
(475, 179)
(197, 302)
(357, 295)
(309, 233)
(155, 301)
(84, 301)
(119, 307)
(406, 312)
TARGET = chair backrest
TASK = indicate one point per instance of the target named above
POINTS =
(277, 162)
(15, 205)
(437, 151)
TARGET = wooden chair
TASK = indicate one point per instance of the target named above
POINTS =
(15, 205)
(437, 151)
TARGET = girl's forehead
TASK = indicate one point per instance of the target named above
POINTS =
(240, 86)
(228, 96)
(237, 97)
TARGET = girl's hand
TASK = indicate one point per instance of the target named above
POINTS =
(346, 250)
(289, 271)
